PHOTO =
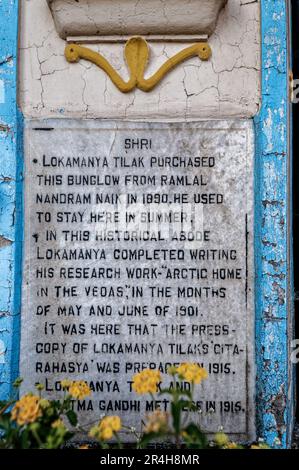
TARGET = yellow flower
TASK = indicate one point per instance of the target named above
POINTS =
(260, 446)
(106, 428)
(172, 370)
(231, 445)
(26, 410)
(192, 372)
(66, 384)
(59, 428)
(156, 422)
(44, 403)
(146, 381)
(221, 439)
(79, 390)
(58, 424)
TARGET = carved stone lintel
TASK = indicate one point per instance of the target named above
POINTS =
(137, 55)
(128, 17)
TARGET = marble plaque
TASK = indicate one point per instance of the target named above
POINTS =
(139, 254)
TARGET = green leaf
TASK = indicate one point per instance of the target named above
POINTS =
(184, 404)
(72, 417)
(195, 438)
(24, 439)
(176, 416)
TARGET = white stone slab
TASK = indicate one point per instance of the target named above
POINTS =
(205, 319)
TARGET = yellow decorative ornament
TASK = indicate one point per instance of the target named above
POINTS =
(137, 56)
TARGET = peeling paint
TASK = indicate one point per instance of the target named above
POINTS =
(272, 234)
(4, 242)
(277, 405)
(2, 91)
(2, 353)
(4, 128)
(10, 199)
(6, 60)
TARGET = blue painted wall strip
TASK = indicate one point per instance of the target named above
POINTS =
(272, 232)
(11, 163)
(291, 295)
(272, 246)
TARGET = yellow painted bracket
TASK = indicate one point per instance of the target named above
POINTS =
(137, 56)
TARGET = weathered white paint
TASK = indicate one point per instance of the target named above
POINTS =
(225, 86)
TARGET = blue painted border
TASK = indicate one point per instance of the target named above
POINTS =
(11, 208)
(272, 221)
(274, 316)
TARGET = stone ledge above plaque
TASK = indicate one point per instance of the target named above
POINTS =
(150, 18)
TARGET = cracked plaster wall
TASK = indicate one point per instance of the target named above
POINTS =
(226, 86)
